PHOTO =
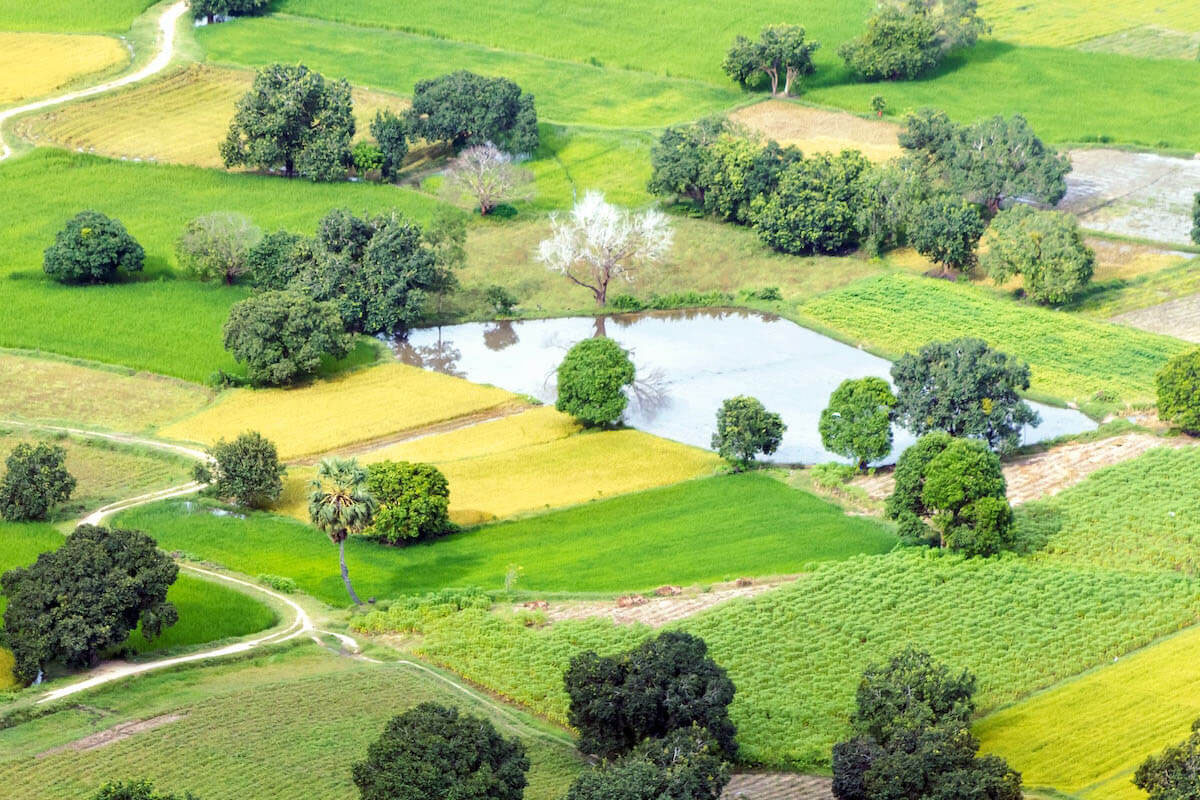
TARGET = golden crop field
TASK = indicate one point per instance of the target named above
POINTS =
(7, 680)
(43, 390)
(180, 119)
(1087, 736)
(336, 413)
(1070, 22)
(35, 64)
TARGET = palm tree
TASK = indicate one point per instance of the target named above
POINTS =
(341, 505)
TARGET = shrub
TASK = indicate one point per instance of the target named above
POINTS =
(414, 501)
(683, 765)
(946, 231)
(90, 249)
(214, 247)
(1045, 247)
(500, 299)
(281, 337)
(35, 481)
(278, 582)
(1172, 775)
(592, 380)
(813, 208)
(247, 470)
(367, 157)
(136, 790)
(391, 134)
(433, 752)
(465, 109)
(744, 429)
(780, 50)
(1178, 386)
(858, 421)
(75, 602)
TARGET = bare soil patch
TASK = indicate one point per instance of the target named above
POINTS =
(1179, 318)
(114, 734)
(816, 130)
(778, 786)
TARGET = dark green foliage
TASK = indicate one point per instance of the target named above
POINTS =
(292, 117)
(683, 765)
(247, 470)
(858, 421)
(1178, 385)
(1174, 774)
(965, 388)
(282, 336)
(1196, 219)
(391, 134)
(986, 162)
(210, 9)
(90, 249)
(136, 790)
(1045, 247)
(85, 597)
(905, 38)
(911, 739)
(744, 429)
(414, 501)
(464, 109)
(432, 752)
(889, 198)
(946, 230)
(780, 51)
(273, 262)
(500, 299)
(665, 684)
(36, 480)
(592, 380)
(741, 169)
(679, 160)
(813, 208)
(906, 504)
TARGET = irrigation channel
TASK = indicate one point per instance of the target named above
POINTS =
(687, 362)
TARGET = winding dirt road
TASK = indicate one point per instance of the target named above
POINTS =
(166, 35)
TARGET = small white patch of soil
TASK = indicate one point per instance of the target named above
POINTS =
(114, 734)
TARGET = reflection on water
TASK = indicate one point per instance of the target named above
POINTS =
(687, 362)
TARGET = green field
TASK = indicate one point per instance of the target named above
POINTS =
(231, 740)
(154, 322)
(699, 531)
(85, 16)
(1071, 358)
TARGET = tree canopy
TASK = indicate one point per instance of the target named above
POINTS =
(683, 765)
(744, 429)
(90, 249)
(281, 337)
(679, 159)
(246, 470)
(903, 39)
(946, 230)
(414, 501)
(465, 109)
(1045, 248)
(391, 134)
(592, 380)
(35, 480)
(779, 51)
(136, 790)
(814, 205)
(1178, 389)
(215, 247)
(857, 423)
(1173, 774)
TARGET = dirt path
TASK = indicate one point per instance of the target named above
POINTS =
(166, 31)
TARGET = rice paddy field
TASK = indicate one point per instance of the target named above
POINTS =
(35, 64)
(100, 16)
(1073, 22)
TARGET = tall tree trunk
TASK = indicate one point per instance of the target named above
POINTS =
(602, 292)
(774, 73)
(346, 572)
(787, 84)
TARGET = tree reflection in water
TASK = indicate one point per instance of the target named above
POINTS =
(499, 335)
(440, 355)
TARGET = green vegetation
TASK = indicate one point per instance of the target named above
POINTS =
(698, 531)
(1178, 384)
(35, 480)
(746, 428)
(414, 501)
(592, 379)
(101, 16)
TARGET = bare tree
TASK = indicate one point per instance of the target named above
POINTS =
(599, 241)
(214, 246)
(488, 176)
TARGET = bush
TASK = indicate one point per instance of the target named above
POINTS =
(215, 247)
(813, 208)
(136, 790)
(500, 299)
(857, 423)
(663, 685)
(391, 134)
(465, 109)
(1178, 385)
(744, 429)
(367, 157)
(592, 380)
(278, 582)
(247, 470)
(683, 765)
(433, 752)
(281, 337)
(414, 501)
(1045, 247)
(35, 481)
(1172, 775)
(90, 249)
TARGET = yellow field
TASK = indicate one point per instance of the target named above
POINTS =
(530, 462)
(35, 64)
(1070, 22)
(39, 390)
(7, 681)
(815, 130)
(1087, 736)
(179, 119)
(350, 409)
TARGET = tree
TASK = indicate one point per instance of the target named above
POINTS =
(215, 246)
(858, 421)
(599, 242)
(281, 337)
(247, 470)
(292, 117)
(946, 231)
(272, 263)
(780, 50)
(340, 505)
(414, 501)
(391, 134)
(1045, 247)
(136, 790)
(75, 602)
(744, 429)
(1178, 389)
(912, 741)
(433, 752)
(905, 38)
(987, 162)
(592, 379)
(965, 388)
(465, 109)
(679, 159)
(1174, 774)
(209, 10)
(90, 249)
(889, 197)
(683, 765)
(488, 176)
(665, 684)
(367, 157)
(740, 169)
(813, 208)
(35, 481)
(1196, 219)
(906, 503)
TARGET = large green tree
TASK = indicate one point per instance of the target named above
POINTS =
(1173, 774)
(814, 205)
(740, 169)
(434, 752)
(275, 260)
(965, 388)
(744, 429)
(592, 380)
(340, 505)
(391, 134)
(857, 423)
(679, 159)
(91, 248)
(414, 501)
(292, 118)
(946, 230)
(779, 52)
(85, 597)
(35, 480)
(683, 765)
(903, 39)
(281, 337)
(1178, 386)
(246, 470)
(464, 109)
(1045, 248)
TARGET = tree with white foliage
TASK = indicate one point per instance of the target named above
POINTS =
(598, 241)
(488, 176)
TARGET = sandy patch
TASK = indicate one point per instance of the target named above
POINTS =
(1179, 318)
(816, 130)
(778, 786)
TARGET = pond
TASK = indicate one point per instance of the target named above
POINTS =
(687, 362)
